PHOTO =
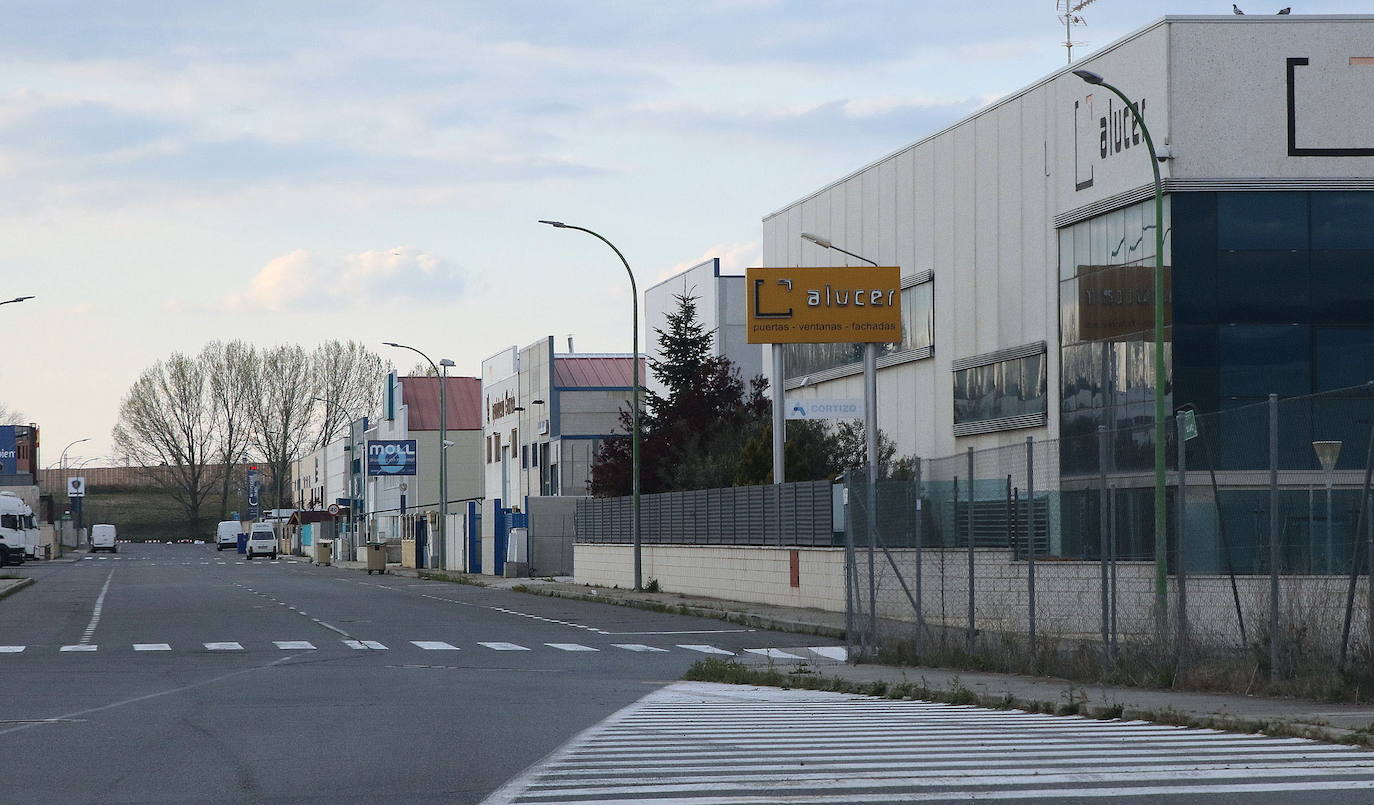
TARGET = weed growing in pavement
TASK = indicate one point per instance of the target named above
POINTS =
(652, 586)
(455, 578)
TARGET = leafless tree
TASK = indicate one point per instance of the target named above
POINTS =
(167, 426)
(231, 370)
(348, 375)
(282, 404)
(10, 416)
(420, 369)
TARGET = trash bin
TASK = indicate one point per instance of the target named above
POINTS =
(243, 543)
(376, 557)
(324, 549)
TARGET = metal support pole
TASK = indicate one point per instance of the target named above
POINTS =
(972, 624)
(1180, 569)
(779, 418)
(1274, 552)
(438, 552)
(1030, 542)
(871, 442)
(1104, 548)
(851, 592)
(919, 534)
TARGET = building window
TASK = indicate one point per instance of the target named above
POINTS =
(1000, 390)
(524, 456)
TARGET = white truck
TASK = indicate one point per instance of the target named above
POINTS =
(18, 530)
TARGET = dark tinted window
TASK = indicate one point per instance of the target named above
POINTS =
(1342, 357)
(1262, 220)
(1261, 360)
(1343, 220)
(1259, 286)
(1343, 286)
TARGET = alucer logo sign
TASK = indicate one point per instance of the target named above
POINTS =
(849, 304)
(391, 457)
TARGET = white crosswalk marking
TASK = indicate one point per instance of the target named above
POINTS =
(695, 743)
(571, 647)
(707, 649)
(434, 645)
(637, 647)
(774, 654)
(503, 646)
(374, 645)
(81, 647)
(355, 644)
(227, 646)
(289, 645)
(11, 649)
(152, 647)
(830, 652)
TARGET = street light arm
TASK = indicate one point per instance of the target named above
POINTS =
(417, 352)
(15, 299)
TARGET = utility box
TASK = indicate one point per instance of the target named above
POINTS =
(324, 550)
(376, 557)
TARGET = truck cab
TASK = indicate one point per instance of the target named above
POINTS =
(18, 530)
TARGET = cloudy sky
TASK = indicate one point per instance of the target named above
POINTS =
(299, 170)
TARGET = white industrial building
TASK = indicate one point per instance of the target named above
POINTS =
(720, 305)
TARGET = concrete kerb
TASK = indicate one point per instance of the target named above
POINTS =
(9, 587)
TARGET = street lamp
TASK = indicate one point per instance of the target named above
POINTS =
(634, 395)
(1327, 453)
(15, 299)
(62, 460)
(1161, 554)
(443, 439)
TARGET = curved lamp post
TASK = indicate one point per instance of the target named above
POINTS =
(634, 410)
(1161, 547)
(15, 299)
(443, 447)
(62, 461)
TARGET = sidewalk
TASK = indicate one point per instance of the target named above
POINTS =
(1291, 717)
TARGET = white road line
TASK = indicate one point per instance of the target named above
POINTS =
(152, 647)
(571, 647)
(95, 612)
(707, 649)
(79, 647)
(355, 644)
(774, 654)
(637, 647)
(503, 646)
(11, 649)
(226, 646)
(831, 652)
(365, 645)
(435, 645)
(293, 645)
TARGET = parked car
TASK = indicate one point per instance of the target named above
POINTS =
(103, 538)
(227, 535)
(262, 541)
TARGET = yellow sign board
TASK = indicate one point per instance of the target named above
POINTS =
(849, 304)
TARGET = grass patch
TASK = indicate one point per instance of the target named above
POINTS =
(454, 578)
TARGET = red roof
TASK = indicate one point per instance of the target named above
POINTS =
(575, 372)
(464, 397)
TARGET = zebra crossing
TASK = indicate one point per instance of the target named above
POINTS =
(699, 743)
(814, 653)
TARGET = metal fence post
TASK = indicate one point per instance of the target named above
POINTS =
(920, 537)
(1030, 541)
(850, 576)
(871, 522)
(1274, 537)
(1103, 542)
(972, 626)
(1180, 571)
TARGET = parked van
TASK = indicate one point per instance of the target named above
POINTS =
(227, 535)
(103, 536)
(18, 530)
(262, 541)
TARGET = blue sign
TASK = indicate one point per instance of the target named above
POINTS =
(9, 451)
(391, 457)
(254, 493)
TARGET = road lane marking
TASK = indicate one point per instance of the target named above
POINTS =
(571, 647)
(152, 647)
(689, 631)
(80, 647)
(99, 607)
(11, 649)
(364, 645)
(503, 646)
(435, 645)
(637, 647)
(227, 646)
(774, 654)
(293, 645)
(831, 652)
(707, 649)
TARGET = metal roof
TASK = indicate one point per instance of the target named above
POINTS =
(571, 371)
(464, 397)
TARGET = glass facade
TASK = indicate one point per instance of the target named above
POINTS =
(918, 333)
(1000, 395)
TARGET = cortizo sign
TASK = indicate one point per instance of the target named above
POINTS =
(850, 304)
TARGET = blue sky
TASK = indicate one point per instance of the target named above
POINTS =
(298, 171)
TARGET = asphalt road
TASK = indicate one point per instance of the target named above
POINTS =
(173, 673)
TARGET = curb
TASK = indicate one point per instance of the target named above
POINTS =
(16, 587)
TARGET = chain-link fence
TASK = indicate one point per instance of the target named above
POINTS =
(1041, 556)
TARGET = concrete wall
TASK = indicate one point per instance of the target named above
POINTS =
(553, 527)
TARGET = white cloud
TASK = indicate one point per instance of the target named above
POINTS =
(734, 258)
(386, 275)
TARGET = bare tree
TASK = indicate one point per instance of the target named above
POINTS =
(282, 400)
(348, 375)
(10, 416)
(420, 369)
(230, 369)
(167, 426)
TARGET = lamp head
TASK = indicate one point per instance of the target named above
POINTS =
(558, 224)
(446, 362)
(390, 344)
(536, 402)
(1088, 76)
(824, 243)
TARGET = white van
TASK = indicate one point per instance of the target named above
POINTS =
(103, 536)
(227, 535)
(262, 541)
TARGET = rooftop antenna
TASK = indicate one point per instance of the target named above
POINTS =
(1069, 16)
